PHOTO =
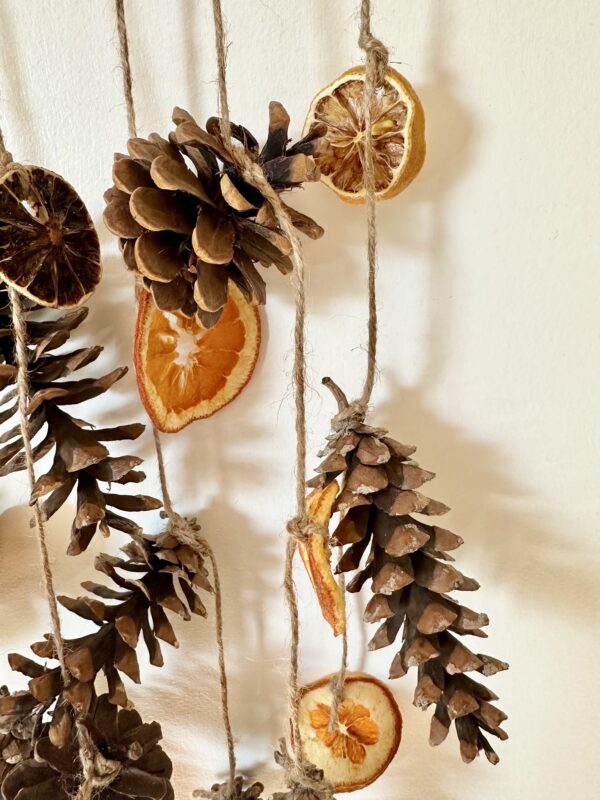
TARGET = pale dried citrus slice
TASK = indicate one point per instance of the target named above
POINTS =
(316, 555)
(364, 738)
(187, 372)
(397, 128)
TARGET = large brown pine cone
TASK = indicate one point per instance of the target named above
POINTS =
(189, 223)
(125, 745)
(411, 575)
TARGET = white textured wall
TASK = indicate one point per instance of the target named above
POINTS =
(489, 355)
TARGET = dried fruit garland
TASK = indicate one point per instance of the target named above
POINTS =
(376, 126)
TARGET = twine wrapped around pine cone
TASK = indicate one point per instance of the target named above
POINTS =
(411, 574)
(188, 223)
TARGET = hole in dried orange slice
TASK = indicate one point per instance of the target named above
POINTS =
(364, 738)
(187, 372)
(397, 128)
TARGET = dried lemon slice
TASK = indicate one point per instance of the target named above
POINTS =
(364, 738)
(397, 128)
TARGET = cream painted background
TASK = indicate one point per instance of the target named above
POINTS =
(490, 347)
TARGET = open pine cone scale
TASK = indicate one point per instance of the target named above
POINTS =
(189, 223)
(127, 748)
(411, 573)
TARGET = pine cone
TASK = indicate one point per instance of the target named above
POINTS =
(81, 459)
(408, 564)
(125, 745)
(18, 720)
(167, 576)
(189, 223)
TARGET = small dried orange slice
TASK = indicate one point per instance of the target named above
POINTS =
(187, 372)
(397, 129)
(316, 555)
(364, 738)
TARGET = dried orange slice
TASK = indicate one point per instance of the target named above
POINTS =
(397, 127)
(187, 372)
(364, 737)
(316, 556)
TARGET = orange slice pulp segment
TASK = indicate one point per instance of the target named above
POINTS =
(186, 372)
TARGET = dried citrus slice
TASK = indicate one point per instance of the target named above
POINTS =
(364, 738)
(397, 127)
(187, 372)
(316, 556)
(49, 248)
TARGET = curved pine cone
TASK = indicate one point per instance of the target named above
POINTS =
(126, 746)
(49, 249)
(411, 574)
(187, 221)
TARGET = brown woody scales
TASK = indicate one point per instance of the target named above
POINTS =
(187, 221)
(411, 575)
(155, 577)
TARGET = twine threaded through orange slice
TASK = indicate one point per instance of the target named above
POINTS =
(397, 133)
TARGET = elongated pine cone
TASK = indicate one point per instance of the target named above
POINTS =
(188, 222)
(81, 462)
(48, 765)
(409, 566)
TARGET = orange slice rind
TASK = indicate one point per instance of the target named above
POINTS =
(397, 129)
(365, 736)
(316, 555)
(186, 372)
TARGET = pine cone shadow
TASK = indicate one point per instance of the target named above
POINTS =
(504, 530)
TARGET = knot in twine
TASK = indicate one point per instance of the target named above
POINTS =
(98, 772)
(300, 528)
(186, 531)
(227, 791)
(303, 774)
(372, 46)
(348, 419)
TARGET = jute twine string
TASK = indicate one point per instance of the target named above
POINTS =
(376, 61)
(183, 529)
(91, 776)
(297, 770)
(126, 66)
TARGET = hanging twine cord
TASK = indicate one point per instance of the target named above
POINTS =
(186, 533)
(22, 359)
(125, 66)
(376, 62)
(184, 530)
(94, 771)
(298, 771)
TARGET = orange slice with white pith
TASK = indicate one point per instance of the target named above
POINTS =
(397, 134)
(357, 747)
(316, 555)
(187, 372)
